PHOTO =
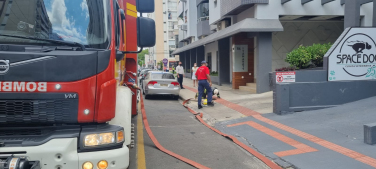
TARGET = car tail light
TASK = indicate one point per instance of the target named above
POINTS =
(175, 83)
(152, 83)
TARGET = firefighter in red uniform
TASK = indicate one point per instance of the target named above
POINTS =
(204, 82)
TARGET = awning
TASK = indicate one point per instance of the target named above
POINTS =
(246, 25)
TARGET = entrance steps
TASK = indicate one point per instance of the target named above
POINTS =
(250, 87)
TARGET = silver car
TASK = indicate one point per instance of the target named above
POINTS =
(160, 83)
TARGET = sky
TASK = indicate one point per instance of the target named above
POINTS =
(70, 23)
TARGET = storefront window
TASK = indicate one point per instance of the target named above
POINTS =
(203, 12)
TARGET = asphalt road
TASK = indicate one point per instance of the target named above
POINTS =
(177, 130)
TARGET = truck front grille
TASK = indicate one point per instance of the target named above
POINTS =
(21, 132)
(39, 111)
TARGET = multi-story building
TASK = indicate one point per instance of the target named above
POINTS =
(244, 40)
(166, 20)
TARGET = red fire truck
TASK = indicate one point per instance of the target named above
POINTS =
(68, 86)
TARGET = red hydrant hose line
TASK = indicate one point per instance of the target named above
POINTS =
(160, 147)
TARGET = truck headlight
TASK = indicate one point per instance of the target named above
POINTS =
(101, 137)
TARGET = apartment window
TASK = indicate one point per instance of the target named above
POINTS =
(172, 25)
(171, 35)
(203, 12)
(172, 46)
(172, 15)
(172, 5)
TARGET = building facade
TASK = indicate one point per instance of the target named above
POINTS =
(243, 41)
(166, 20)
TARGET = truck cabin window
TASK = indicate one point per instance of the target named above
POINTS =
(81, 21)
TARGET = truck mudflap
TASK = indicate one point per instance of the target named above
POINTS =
(62, 154)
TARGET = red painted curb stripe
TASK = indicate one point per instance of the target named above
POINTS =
(300, 147)
(268, 162)
(160, 147)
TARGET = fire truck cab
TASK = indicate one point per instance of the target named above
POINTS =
(68, 86)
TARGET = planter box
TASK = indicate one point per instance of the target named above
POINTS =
(215, 79)
(188, 75)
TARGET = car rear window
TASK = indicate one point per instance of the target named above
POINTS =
(162, 76)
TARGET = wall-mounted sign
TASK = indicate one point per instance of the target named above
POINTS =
(165, 61)
(354, 56)
(285, 77)
(240, 58)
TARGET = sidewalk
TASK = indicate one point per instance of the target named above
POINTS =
(262, 103)
(328, 138)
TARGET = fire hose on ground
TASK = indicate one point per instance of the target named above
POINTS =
(199, 116)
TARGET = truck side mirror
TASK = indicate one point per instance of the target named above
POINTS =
(145, 6)
(145, 32)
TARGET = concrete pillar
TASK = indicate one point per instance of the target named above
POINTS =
(263, 61)
(352, 13)
(194, 58)
(185, 61)
(200, 55)
(374, 14)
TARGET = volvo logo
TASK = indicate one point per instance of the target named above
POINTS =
(4, 66)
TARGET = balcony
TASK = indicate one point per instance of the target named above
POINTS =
(201, 1)
(182, 35)
(180, 8)
(234, 7)
(203, 27)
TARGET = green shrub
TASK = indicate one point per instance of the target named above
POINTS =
(214, 73)
(308, 56)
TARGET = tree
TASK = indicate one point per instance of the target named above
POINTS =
(141, 57)
(160, 63)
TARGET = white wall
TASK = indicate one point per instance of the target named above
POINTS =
(212, 48)
(214, 11)
(366, 10)
(294, 7)
(302, 33)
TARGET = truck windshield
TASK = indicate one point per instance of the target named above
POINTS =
(81, 21)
